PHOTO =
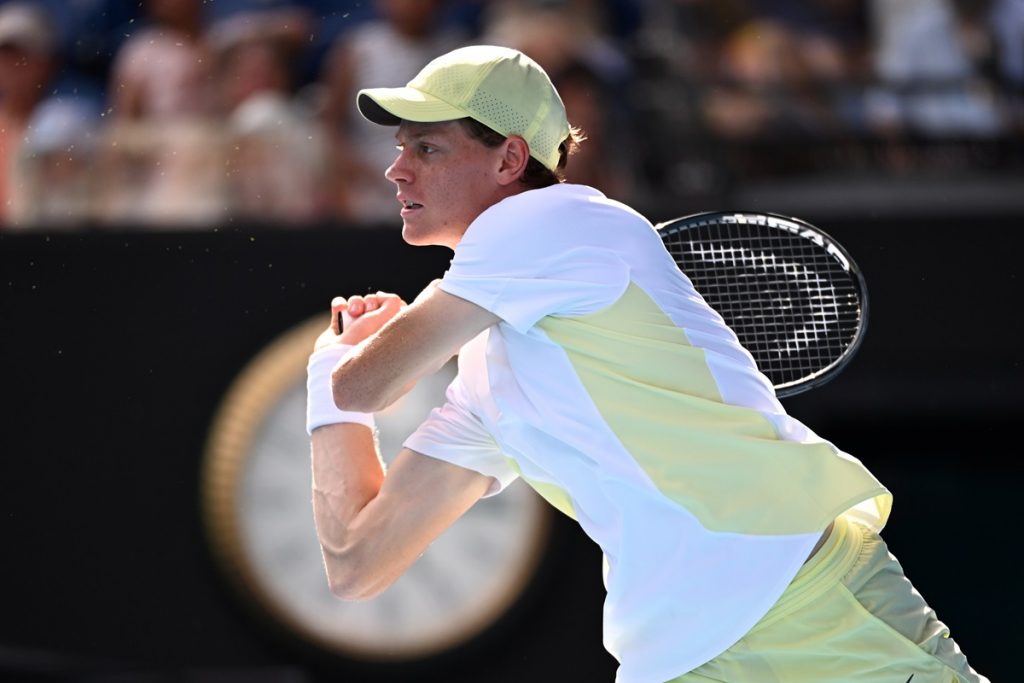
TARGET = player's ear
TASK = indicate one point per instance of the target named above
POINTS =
(515, 154)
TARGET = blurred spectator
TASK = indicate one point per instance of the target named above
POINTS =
(783, 68)
(288, 22)
(681, 40)
(275, 152)
(55, 166)
(318, 23)
(387, 50)
(89, 34)
(1006, 22)
(557, 33)
(929, 83)
(163, 70)
(162, 157)
(1004, 27)
(28, 61)
(161, 174)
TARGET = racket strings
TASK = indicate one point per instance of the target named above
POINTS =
(791, 304)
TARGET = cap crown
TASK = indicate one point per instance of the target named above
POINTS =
(503, 89)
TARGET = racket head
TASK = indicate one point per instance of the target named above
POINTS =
(792, 294)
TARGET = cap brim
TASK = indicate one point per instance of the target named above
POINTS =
(391, 106)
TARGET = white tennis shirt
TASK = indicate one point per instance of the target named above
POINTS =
(613, 389)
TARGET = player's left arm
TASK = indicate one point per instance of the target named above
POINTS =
(373, 524)
(417, 341)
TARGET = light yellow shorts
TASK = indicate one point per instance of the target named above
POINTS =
(850, 615)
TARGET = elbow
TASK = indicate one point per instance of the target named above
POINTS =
(344, 588)
(347, 581)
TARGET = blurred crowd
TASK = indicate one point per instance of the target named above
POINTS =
(176, 114)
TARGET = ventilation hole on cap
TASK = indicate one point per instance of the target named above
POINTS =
(543, 142)
(450, 87)
(507, 120)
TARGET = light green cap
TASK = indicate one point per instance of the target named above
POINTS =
(500, 87)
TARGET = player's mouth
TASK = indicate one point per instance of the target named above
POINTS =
(409, 206)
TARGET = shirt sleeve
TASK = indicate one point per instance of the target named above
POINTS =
(522, 263)
(453, 434)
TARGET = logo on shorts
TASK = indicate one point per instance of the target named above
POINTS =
(911, 678)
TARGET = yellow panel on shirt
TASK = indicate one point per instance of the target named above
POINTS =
(726, 464)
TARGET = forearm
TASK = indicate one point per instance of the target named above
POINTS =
(347, 472)
(372, 387)
(414, 344)
(347, 476)
(373, 527)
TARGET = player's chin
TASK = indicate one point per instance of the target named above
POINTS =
(418, 232)
(414, 234)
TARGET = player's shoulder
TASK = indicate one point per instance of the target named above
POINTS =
(558, 222)
(562, 208)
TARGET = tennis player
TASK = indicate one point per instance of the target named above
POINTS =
(738, 545)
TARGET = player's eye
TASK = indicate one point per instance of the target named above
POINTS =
(422, 148)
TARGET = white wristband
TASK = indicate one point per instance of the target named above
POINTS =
(320, 407)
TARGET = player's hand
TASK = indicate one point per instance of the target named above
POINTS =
(356, 318)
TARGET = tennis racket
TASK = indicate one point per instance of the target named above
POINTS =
(791, 293)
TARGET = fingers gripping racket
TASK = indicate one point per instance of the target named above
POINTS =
(792, 294)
